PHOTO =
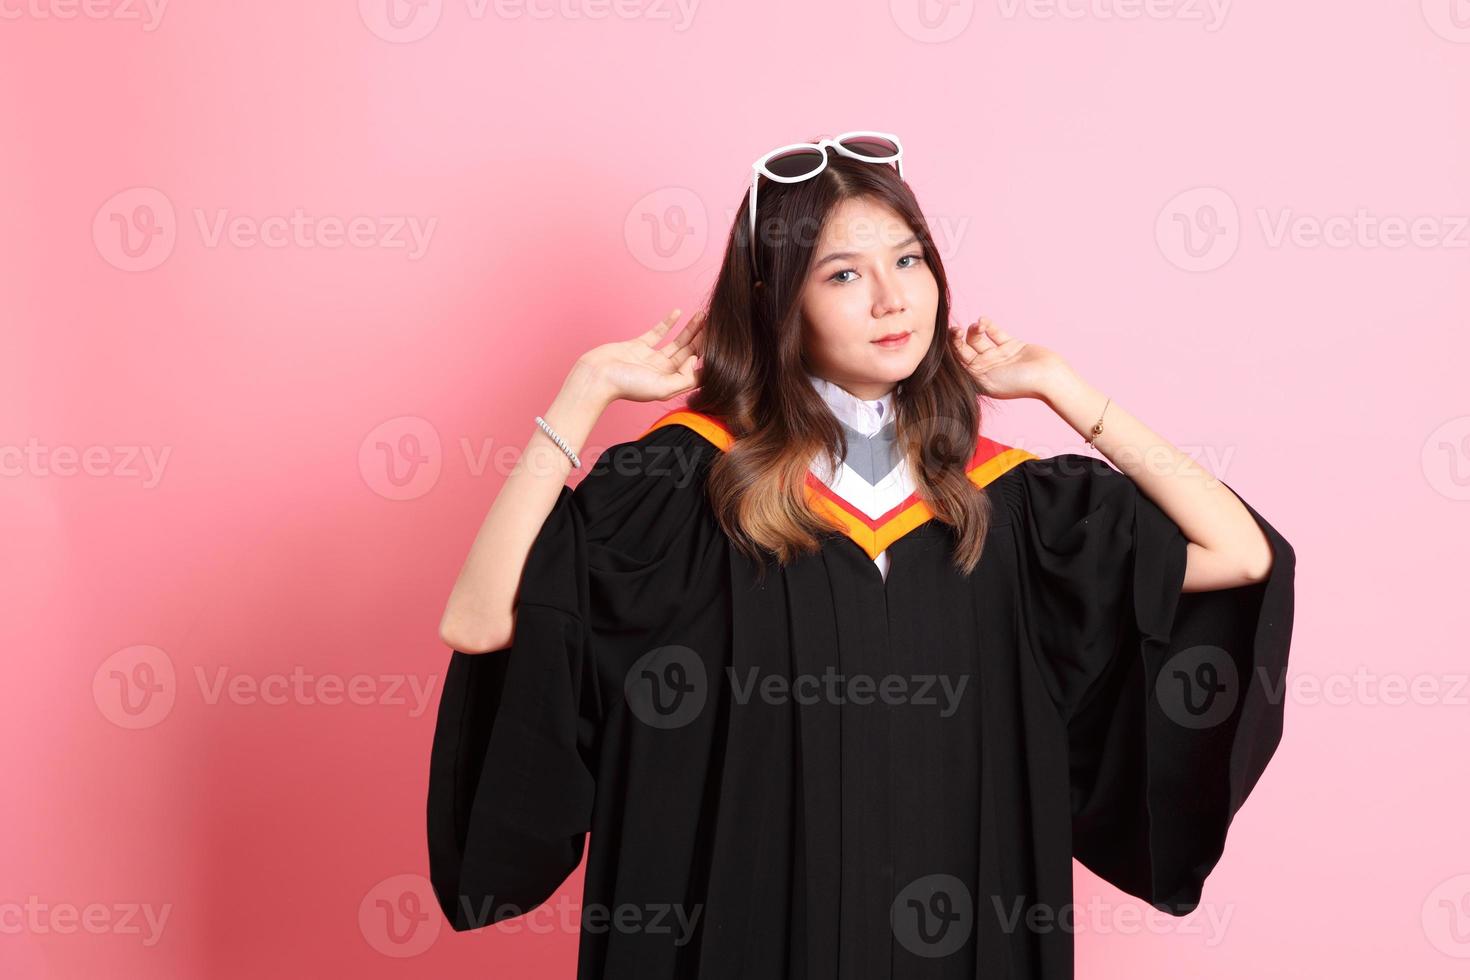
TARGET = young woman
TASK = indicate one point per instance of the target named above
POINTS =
(838, 685)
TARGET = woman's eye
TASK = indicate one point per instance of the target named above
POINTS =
(912, 255)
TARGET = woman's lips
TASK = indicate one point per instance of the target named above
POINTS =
(894, 342)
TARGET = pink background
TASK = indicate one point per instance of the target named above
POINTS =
(323, 417)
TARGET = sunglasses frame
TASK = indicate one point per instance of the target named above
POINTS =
(759, 168)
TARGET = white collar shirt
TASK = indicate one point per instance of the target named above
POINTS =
(873, 478)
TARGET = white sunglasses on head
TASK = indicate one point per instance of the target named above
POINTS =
(801, 161)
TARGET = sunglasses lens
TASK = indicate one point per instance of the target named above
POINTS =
(871, 146)
(797, 163)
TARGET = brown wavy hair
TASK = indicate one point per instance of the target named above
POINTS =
(753, 377)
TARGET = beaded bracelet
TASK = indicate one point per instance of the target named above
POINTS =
(1097, 426)
(561, 443)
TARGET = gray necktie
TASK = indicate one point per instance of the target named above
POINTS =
(871, 457)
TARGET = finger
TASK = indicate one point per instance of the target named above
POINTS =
(656, 332)
(976, 338)
(997, 334)
(678, 355)
(964, 350)
(682, 358)
(683, 380)
(685, 341)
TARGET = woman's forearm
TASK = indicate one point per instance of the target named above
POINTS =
(1226, 547)
(480, 614)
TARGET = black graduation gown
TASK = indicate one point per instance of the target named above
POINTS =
(901, 791)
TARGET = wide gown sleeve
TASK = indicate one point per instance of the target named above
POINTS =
(510, 784)
(512, 769)
(1171, 700)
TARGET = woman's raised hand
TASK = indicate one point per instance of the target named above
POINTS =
(650, 368)
(1004, 366)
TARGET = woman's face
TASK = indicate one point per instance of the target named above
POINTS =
(869, 280)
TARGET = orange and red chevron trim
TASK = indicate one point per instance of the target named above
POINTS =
(872, 534)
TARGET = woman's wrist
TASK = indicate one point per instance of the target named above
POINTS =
(572, 415)
(1077, 403)
(585, 383)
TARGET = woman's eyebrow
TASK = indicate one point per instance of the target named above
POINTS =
(834, 256)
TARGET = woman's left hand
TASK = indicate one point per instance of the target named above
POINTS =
(1004, 366)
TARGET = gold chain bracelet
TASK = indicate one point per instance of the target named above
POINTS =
(1097, 426)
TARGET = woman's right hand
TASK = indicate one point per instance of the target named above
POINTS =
(645, 370)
